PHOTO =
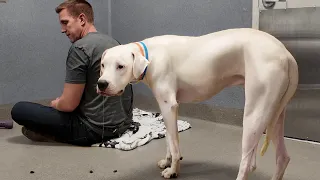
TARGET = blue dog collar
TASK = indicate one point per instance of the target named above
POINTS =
(144, 50)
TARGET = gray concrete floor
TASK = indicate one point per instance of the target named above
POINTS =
(210, 151)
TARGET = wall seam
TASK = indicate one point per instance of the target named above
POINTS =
(109, 19)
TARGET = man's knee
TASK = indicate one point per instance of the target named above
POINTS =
(18, 112)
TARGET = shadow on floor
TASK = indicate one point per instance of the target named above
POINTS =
(25, 141)
(192, 170)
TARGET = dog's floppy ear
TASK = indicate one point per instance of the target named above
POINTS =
(104, 53)
(139, 64)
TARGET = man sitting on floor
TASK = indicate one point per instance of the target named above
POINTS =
(79, 116)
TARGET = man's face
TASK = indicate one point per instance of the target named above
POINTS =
(71, 26)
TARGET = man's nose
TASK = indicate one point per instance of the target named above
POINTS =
(102, 85)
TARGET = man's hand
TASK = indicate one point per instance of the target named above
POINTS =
(70, 98)
(54, 103)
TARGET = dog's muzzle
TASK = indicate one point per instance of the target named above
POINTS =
(102, 85)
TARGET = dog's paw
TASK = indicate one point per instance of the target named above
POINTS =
(164, 163)
(169, 173)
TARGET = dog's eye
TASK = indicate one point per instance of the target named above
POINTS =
(120, 66)
(102, 65)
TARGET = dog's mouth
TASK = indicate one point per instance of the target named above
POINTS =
(120, 92)
(103, 93)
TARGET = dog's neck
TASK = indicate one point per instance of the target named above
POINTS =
(145, 52)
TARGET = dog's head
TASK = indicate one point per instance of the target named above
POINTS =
(119, 66)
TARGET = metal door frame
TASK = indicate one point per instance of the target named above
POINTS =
(257, 7)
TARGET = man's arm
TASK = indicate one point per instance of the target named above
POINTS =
(76, 70)
(70, 98)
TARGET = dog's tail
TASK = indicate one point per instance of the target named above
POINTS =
(293, 74)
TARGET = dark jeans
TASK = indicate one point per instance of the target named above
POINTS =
(64, 126)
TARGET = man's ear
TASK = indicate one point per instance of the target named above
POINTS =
(83, 19)
(139, 64)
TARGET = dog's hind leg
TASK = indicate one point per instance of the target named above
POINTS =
(253, 164)
(282, 157)
(253, 127)
(263, 98)
(277, 128)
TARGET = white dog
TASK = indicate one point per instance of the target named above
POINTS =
(182, 69)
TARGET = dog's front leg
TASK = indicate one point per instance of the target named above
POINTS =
(165, 163)
(169, 110)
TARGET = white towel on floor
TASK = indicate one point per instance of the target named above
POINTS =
(151, 127)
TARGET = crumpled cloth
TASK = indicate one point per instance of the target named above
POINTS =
(146, 126)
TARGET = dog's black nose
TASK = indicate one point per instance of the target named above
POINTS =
(102, 85)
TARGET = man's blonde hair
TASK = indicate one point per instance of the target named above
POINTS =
(76, 7)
